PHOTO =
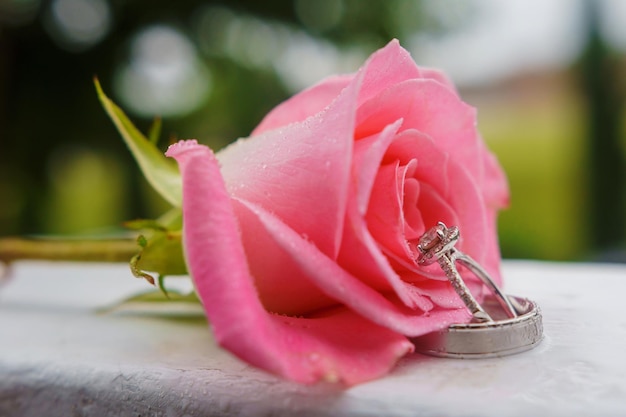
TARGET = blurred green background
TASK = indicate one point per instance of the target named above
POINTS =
(545, 75)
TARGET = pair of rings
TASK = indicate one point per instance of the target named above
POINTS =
(502, 325)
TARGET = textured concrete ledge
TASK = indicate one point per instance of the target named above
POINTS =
(59, 356)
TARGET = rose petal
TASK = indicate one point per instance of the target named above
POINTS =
(362, 256)
(414, 223)
(350, 291)
(495, 185)
(359, 253)
(434, 110)
(440, 293)
(440, 77)
(385, 216)
(304, 104)
(417, 108)
(435, 208)
(389, 65)
(278, 280)
(300, 172)
(432, 208)
(368, 154)
(339, 346)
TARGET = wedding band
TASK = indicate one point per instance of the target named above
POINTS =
(501, 326)
(488, 339)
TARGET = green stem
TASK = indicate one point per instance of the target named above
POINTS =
(57, 249)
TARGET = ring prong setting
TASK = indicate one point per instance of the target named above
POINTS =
(437, 241)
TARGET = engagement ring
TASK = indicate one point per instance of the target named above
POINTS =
(502, 325)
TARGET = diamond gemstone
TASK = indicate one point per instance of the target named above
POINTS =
(431, 238)
(436, 242)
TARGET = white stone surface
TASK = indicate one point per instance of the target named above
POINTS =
(59, 356)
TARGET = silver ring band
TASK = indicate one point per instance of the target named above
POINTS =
(489, 339)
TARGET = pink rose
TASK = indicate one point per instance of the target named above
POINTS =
(301, 239)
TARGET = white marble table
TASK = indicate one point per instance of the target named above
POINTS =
(60, 357)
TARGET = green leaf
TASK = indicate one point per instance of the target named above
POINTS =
(162, 173)
(155, 131)
(172, 219)
(161, 252)
(161, 249)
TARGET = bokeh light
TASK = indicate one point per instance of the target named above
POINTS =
(164, 75)
(77, 25)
